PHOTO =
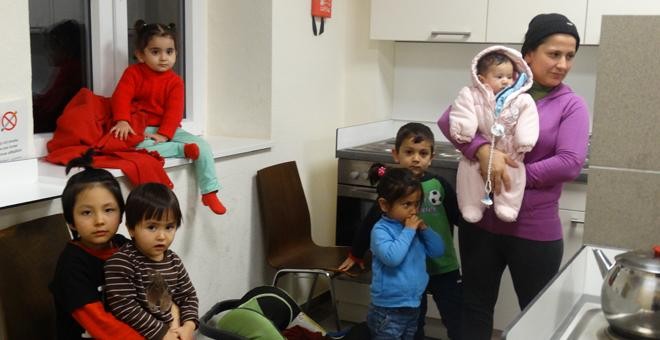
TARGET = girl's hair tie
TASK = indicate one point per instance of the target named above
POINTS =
(381, 171)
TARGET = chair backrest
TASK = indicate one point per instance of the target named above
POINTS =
(28, 256)
(284, 211)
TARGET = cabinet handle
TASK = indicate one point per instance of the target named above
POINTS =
(575, 221)
(463, 33)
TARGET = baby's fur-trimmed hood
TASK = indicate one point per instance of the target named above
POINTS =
(518, 62)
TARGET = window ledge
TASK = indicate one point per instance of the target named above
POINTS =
(51, 178)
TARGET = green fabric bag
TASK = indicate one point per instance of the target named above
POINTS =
(261, 315)
(250, 324)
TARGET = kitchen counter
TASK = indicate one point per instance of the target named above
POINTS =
(448, 160)
(569, 304)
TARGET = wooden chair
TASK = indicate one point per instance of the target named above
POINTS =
(28, 255)
(285, 217)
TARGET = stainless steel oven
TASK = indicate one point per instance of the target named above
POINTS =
(355, 195)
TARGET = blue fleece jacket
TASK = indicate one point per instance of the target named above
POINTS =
(399, 262)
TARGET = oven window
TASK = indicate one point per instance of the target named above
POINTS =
(351, 211)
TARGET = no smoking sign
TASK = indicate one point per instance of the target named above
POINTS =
(8, 121)
(15, 133)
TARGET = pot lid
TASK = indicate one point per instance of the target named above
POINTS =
(645, 260)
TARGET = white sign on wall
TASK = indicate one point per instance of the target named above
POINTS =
(14, 130)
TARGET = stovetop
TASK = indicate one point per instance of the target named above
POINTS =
(442, 150)
(446, 156)
(587, 322)
(354, 162)
(569, 306)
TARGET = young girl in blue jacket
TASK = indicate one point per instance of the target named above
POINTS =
(400, 243)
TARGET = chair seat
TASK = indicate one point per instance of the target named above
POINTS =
(310, 256)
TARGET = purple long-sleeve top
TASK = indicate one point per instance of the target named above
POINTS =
(557, 157)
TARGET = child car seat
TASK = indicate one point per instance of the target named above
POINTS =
(262, 313)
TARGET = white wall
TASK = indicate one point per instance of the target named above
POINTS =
(14, 69)
(428, 76)
(314, 80)
(15, 72)
(316, 85)
(271, 77)
(239, 64)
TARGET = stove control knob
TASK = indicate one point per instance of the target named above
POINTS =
(354, 174)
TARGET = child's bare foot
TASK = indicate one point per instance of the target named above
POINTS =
(191, 151)
(211, 200)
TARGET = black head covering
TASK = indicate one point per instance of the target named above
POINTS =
(544, 25)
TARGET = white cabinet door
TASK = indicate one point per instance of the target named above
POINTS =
(508, 19)
(574, 196)
(572, 223)
(571, 213)
(429, 20)
(598, 8)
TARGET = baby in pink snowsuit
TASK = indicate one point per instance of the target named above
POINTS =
(496, 105)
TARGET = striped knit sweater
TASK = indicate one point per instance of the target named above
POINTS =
(140, 291)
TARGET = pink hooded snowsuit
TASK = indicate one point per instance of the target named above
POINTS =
(473, 112)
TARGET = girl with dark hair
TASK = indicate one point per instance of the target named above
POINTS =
(150, 96)
(400, 243)
(92, 205)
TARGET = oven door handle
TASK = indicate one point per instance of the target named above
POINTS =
(357, 192)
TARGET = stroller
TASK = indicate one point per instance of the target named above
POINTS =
(264, 313)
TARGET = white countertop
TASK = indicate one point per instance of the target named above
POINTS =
(549, 311)
(29, 181)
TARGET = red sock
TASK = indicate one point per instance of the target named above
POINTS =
(211, 200)
(191, 151)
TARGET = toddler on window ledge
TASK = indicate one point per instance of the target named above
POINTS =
(149, 99)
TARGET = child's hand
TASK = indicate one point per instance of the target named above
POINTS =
(186, 331)
(414, 222)
(175, 317)
(158, 138)
(122, 129)
(172, 335)
(349, 263)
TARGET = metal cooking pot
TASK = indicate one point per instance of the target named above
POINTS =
(630, 295)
